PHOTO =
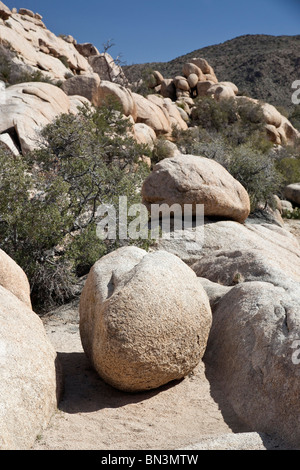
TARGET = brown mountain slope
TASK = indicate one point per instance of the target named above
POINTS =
(262, 66)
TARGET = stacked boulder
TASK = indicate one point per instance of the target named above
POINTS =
(88, 76)
(199, 79)
(278, 128)
(145, 317)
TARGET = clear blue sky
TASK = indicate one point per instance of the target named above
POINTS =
(161, 30)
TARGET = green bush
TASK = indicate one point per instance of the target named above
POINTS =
(161, 150)
(288, 163)
(238, 122)
(49, 199)
(34, 76)
(294, 214)
(211, 115)
(289, 168)
(257, 172)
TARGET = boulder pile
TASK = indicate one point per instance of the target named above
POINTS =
(198, 79)
(88, 76)
(137, 309)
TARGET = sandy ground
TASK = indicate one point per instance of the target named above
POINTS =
(94, 416)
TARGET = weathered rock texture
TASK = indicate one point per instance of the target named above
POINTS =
(5, 12)
(251, 350)
(188, 179)
(105, 66)
(151, 114)
(234, 253)
(28, 380)
(13, 279)
(144, 319)
(109, 91)
(251, 274)
(27, 107)
(38, 49)
(83, 85)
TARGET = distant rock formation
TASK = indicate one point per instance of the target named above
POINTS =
(199, 79)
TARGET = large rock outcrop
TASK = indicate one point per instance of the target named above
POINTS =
(151, 114)
(189, 179)
(122, 95)
(105, 66)
(27, 107)
(38, 49)
(251, 274)
(83, 85)
(144, 319)
(198, 79)
(253, 355)
(253, 250)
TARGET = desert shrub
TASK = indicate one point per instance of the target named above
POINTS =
(233, 135)
(145, 82)
(294, 214)
(5, 69)
(211, 115)
(257, 172)
(64, 60)
(289, 167)
(239, 123)
(214, 145)
(161, 150)
(49, 200)
(288, 163)
(35, 76)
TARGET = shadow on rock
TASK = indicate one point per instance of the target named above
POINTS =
(85, 391)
